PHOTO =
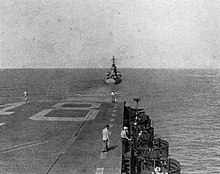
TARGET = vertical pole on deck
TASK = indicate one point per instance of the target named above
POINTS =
(168, 162)
(154, 163)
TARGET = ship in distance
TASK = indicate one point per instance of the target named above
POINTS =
(113, 76)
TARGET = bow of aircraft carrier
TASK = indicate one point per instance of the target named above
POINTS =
(60, 137)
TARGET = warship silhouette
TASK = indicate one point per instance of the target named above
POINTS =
(113, 76)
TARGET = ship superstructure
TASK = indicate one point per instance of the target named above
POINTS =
(145, 153)
(113, 76)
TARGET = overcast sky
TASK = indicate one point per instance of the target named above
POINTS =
(86, 33)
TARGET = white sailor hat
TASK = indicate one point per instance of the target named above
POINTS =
(125, 127)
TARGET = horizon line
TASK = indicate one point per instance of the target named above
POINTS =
(108, 68)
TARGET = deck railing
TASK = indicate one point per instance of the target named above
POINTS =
(169, 165)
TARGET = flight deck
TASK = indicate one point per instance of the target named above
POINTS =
(57, 137)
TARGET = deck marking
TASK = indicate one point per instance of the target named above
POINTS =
(113, 115)
(54, 163)
(112, 119)
(25, 146)
(98, 105)
(115, 107)
(10, 107)
(103, 155)
(20, 145)
(93, 106)
(99, 171)
(111, 125)
(109, 132)
(114, 110)
(41, 116)
(92, 113)
(1, 124)
(5, 105)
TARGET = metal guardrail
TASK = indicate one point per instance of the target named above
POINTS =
(162, 146)
(174, 167)
(146, 151)
(169, 165)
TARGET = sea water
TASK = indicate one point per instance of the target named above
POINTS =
(183, 104)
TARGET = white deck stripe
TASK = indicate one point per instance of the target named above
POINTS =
(103, 155)
(1, 106)
(11, 106)
(114, 110)
(99, 171)
(21, 145)
(42, 116)
(111, 125)
(7, 151)
(112, 119)
(98, 105)
(93, 114)
(113, 115)
(2, 124)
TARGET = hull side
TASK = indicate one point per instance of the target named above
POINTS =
(113, 80)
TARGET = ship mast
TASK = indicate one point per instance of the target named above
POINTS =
(113, 60)
(114, 69)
